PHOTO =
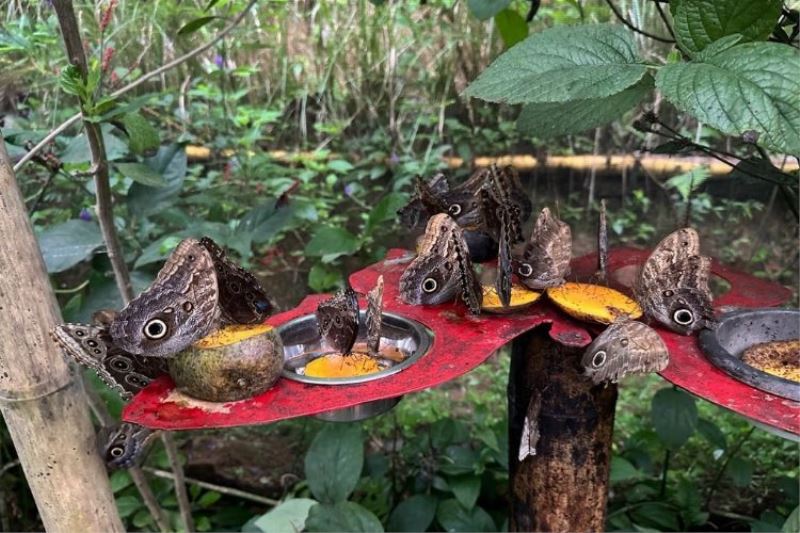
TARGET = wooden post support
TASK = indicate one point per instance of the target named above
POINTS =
(43, 406)
(564, 487)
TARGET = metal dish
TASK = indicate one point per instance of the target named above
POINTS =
(742, 329)
(302, 343)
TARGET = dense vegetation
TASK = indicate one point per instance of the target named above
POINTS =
(294, 140)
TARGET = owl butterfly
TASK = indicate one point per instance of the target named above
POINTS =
(436, 196)
(242, 300)
(673, 285)
(125, 445)
(179, 308)
(544, 262)
(625, 347)
(530, 429)
(92, 347)
(502, 191)
(374, 317)
(337, 318)
(442, 268)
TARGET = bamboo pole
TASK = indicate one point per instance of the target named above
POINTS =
(42, 404)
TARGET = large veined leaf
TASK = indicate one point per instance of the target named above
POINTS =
(562, 64)
(698, 23)
(170, 163)
(748, 87)
(334, 462)
(65, 245)
(674, 416)
(342, 516)
(512, 27)
(486, 9)
(563, 118)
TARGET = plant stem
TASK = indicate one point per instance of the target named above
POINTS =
(664, 470)
(211, 486)
(625, 21)
(180, 481)
(722, 468)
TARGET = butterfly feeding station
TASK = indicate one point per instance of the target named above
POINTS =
(564, 485)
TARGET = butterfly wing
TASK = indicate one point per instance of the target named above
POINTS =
(374, 317)
(530, 429)
(504, 267)
(124, 445)
(179, 308)
(625, 347)
(545, 260)
(337, 318)
(673, 284)
(242, 299)
(92, 347)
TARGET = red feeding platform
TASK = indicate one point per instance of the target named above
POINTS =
(461, 342)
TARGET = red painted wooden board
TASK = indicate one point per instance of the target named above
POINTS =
(462, 342)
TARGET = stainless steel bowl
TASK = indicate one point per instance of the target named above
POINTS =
(302, 343)
(742, 329)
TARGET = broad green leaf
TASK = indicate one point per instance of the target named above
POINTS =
(170, 162)
(622, 469)
(141, 173)
(265, 221)
(77, 151)
(711, 432)
(342, 516)
(688, 182)
(414, 514)
(194, 25)
(512, 27)
(792, 524)
(340, 165)
(744, 88)
(142, 136)
(331, 242)
(67, 244)
(119, 480)
(334, 462)
(458, 460)
(562, 64)
(740, 471)
(453, 517)
(385, 210)
(698, 23)
(656, 515)
(321, 278)
(674, 415)
(466, 489)
(563, 118)
(127, 505)
(289, 515)
(486, 9)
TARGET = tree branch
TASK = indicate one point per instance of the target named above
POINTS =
(630, 25)
(218, 488)
(138, 81)
(180, 481)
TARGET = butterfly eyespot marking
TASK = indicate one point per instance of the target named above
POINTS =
(120, 363)
(599, 359)
(187, 306)
(668, 293)
(454, 210)
(429, 285)
(79, 333)
(168, 310)
(624, 342)
(91, 343)
(97, 351)
(155, 329)
(191, 257)
(116, 451)
(525, 270)
(234, 287)
(684, 317)
(337, 320)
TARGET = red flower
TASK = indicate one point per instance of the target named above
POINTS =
(106, 14)
(108, 53)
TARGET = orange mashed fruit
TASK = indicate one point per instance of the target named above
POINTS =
(335, 365)
(231, 335)
(521, 296)
(593, 303)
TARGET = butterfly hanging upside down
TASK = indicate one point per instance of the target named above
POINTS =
(337, 319)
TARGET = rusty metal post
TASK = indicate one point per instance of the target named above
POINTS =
(564, 487)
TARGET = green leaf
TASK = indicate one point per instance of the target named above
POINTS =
(209, 5)
(127, 505)
(331, 242)
(67, 244)
(512, 27)
(170, 162)
(711, 432)
(339, 165)
(486, 9)
(196, 24)
(740, 471)
(792, 524)
(689, 182)
(141, 173)
(674, 416)
(453, 517)
(264, 222)
(562, 64)
(334, 462)
(622, 469)
(757, 167)
(322, 278)
(142, 136)
(656, 515)
(77, 151)
(385, 210)
(342, 516)
(466, 489)
(414, 514)
(459, 460)
(209, 498)
(563, 118)
(744, 88)
(120, 480)
(697, 23)
(289, 515)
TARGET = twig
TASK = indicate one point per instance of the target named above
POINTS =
(42, 192)
(625, 21)
(180, 481)
(138, 81)
(664, 18)
(211, 486)
(721, 470)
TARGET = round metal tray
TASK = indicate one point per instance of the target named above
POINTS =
(739, 330)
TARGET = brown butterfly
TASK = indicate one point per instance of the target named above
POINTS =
(625, 347)
(545, 260)
(91, 346)
(442, 268)
(673, 285)
(436, 196)
(179, 308)
(337, 319)
(125, 445)
(242, 299)
(374, 317)
(530, 429)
